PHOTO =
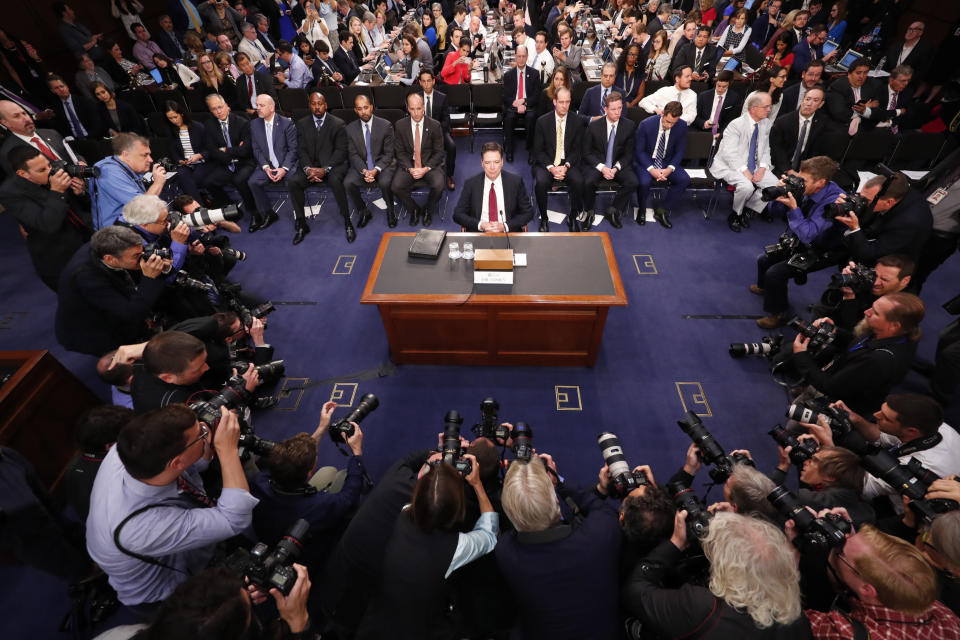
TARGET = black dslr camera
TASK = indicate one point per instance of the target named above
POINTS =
(452, 451)
(342, 429)
(153, 249)
(272, 569)
(74, 170)
(860, 279)
(791, 185)
(250, 443)
(233, 396)
(168, 164)
(622, 479)
(911, 479)
(489, 426)
(800, 450)
(183, 279)
(787, 244)
(815, 534)
(810, 410)
(684, 498)
(711, 452)
(820, 337)
(855, 203)
(268, 372)
(522, 436)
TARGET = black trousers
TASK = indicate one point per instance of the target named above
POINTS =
(625, 177)
(219, 177)
(298, 184)
(403, 183)
(936, 250)
(510, 117)
(354, 182)
(543, 180)
(946, 375)
(773, 276)
(450, 150)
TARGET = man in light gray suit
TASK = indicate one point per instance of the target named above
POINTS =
(371, 154)
(743, 160)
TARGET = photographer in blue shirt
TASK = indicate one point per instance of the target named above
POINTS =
(121, 178)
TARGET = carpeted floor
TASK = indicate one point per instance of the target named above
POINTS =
(666, 351)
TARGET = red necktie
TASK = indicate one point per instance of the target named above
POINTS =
(249, 88)
(194, 494)
(520, 89)
(492, 205)
(44, 149)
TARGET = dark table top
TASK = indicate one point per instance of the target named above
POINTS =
(560, 267)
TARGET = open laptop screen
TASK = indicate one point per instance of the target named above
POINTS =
(849, 58)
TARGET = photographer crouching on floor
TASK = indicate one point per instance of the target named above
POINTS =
(812, 242)
(854, 290)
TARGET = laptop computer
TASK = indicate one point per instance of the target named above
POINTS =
(156, 76)
(731, 65)
(830, 46)
(845, 63)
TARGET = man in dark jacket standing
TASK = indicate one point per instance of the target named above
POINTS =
(49, 213)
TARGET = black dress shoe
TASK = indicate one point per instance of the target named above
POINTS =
(663, 217)
(587, 221)
(733, 221)
(745, 219)
(391, 219)
(365, 217)
(614, 217)
(642, 217)
(427, 218)
(765, 215)
(451, 185)
(544, 225)
(302, 230)
(256, 223)
(415, 217)
(269, 220)
(509, 156)
(572, 222)
(351, 232)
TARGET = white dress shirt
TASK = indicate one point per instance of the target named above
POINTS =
(28, 139)
(485, 201)
(659, 98)
(943, 459)
(665, 134)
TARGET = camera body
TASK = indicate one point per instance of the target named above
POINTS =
(153, 249)
(792, 184)
(250, 443)
(622, 479)
(489, 426)
(342, 429)
(167, 164)
(183, 279)
(698, 518)
(522, 436)
(836, 418)
(787, 244)
(800, 450)
(711, 453)
(232, 396)
(855, 203)
(860, 280)
(74, 170)
(815, 534)
(451, 449)
(820, 337)
(272, 568)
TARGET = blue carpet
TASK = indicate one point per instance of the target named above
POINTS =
(653, 362)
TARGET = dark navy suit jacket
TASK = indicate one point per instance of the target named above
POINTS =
(646, 141)
(284, 142)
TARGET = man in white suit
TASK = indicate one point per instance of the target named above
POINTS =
(743, 160)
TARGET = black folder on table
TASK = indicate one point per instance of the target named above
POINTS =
(427, 243)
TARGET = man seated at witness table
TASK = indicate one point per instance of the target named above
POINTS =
(419, 155)
(495, 201)
(743, 160)
(680, 91)
(608, 152)
(557, 152)
(718, 107)
(658, 152)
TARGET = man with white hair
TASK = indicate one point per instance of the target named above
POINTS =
(743, 159)
(148, 216)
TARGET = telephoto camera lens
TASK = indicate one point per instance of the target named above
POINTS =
(236, 254)
(202, 217)
(250, 442)
(698, 517)
(815, 533)
(271, 371)
(342, 430)
(522, 441)
(710, 449)
(800, 450)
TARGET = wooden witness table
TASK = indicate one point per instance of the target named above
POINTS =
(553, 314)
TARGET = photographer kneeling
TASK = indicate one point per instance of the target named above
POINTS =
(172, 365)
(754, 588)
(853, 292)
(819, 237)
(563, 576)
(151, 525)
(289, 490)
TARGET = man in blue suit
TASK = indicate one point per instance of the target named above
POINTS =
(591, 106)
(274, 142)
(658, 152)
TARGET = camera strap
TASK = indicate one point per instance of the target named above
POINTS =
(920, 444)
(133, 554)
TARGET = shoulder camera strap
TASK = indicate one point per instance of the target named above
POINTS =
(133, 554)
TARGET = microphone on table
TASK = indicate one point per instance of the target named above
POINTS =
(506, 229)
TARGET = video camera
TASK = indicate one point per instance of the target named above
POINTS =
(233, 396)
(272, 569)
(821, 336)
(768, 347)
(860, 279)
(815, 533)
(622, 479)
(684, 498)
(791, 185)
(800, 450)
(711, 453)
(74, 170)
(342, 429)
(451, 449)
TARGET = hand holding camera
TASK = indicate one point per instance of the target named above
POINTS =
(60, 181)
(153, 266)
